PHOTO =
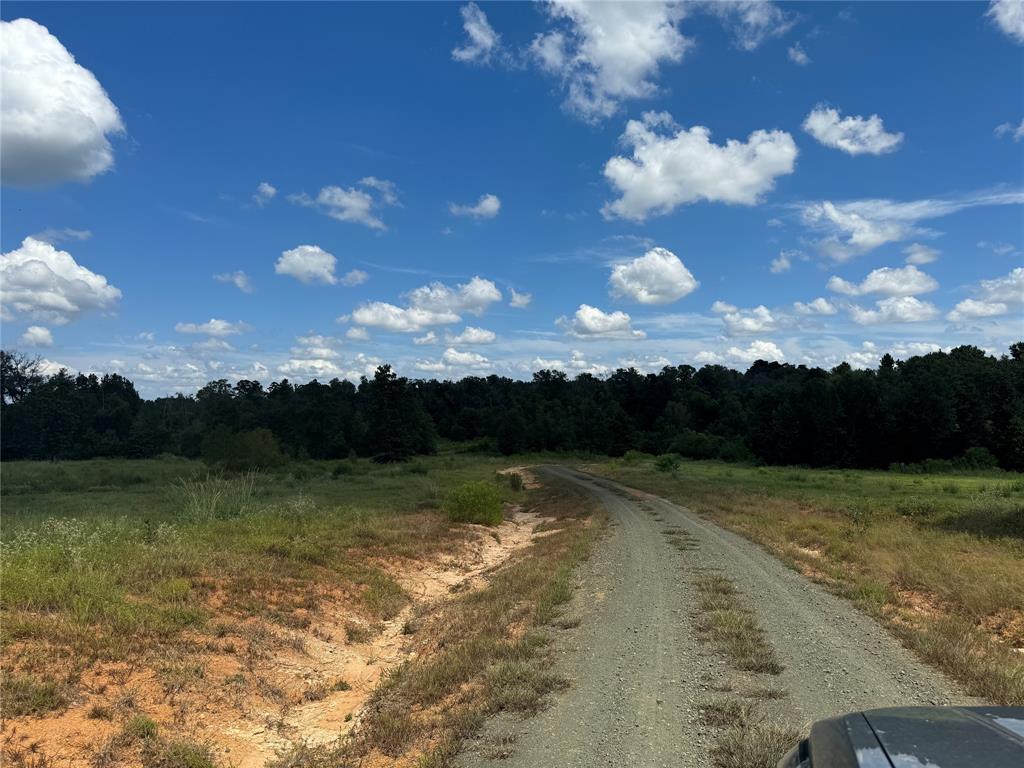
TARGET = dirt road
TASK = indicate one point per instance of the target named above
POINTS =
(639, 673)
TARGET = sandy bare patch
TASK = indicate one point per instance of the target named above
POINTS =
(257, 688)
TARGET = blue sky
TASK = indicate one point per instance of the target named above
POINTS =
(665, 183)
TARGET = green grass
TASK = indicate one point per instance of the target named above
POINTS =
(939, 558)
(22, 695)
(145, 562)
(474, 502)
(114, 553)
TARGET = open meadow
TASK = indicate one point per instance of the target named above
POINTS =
(158, 614)
(938, 558)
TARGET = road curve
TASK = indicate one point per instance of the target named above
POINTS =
(638, 672)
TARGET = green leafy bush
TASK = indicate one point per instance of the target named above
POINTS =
(667, 462)
(475, 502)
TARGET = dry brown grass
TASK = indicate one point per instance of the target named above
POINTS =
(731, 626)
(753, 745)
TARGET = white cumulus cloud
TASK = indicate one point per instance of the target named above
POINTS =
(351, 204)
(388, 317)
(820, 306)
(55, 116)
(972, 308)
(890, 281)
(606, 53)
(854, 135)
(486, 207)
(744, 321)
(429, 305)
(592, 323)
(672, 166)
(307, 264)
(657, 277)
(993, 298)
(456, 359)
(895, 310)
(471, 335)
(37, 336)
(756, 350)
(473, 297)
(1008, 15)
(43, 283)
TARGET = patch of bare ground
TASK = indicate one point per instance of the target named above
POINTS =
(253, 687)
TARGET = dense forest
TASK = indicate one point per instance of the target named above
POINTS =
(962, 405)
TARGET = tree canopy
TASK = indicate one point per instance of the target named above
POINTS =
(936, 406)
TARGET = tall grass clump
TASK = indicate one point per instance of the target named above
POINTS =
(214, 497)
(474, 502)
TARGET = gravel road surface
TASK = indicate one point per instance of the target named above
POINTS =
(638, 672)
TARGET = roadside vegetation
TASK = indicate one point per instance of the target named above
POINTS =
(132, 590)
(485, 653)
(938, 558)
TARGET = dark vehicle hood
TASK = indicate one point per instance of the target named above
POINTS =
(936, 737)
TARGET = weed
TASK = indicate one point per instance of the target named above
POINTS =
(22, 695)
(475, 502)
(176, 754)
(139, 728)
(357, 633)
(722, 712)
(100, 712)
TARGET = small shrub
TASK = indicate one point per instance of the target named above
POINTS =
(667, 462)
(474, 502)
(100, 712)
(140, 728)
(342, 468)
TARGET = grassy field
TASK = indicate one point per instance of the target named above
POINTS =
(938, 558)
(162, 572)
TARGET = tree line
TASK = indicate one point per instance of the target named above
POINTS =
(963, 405)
